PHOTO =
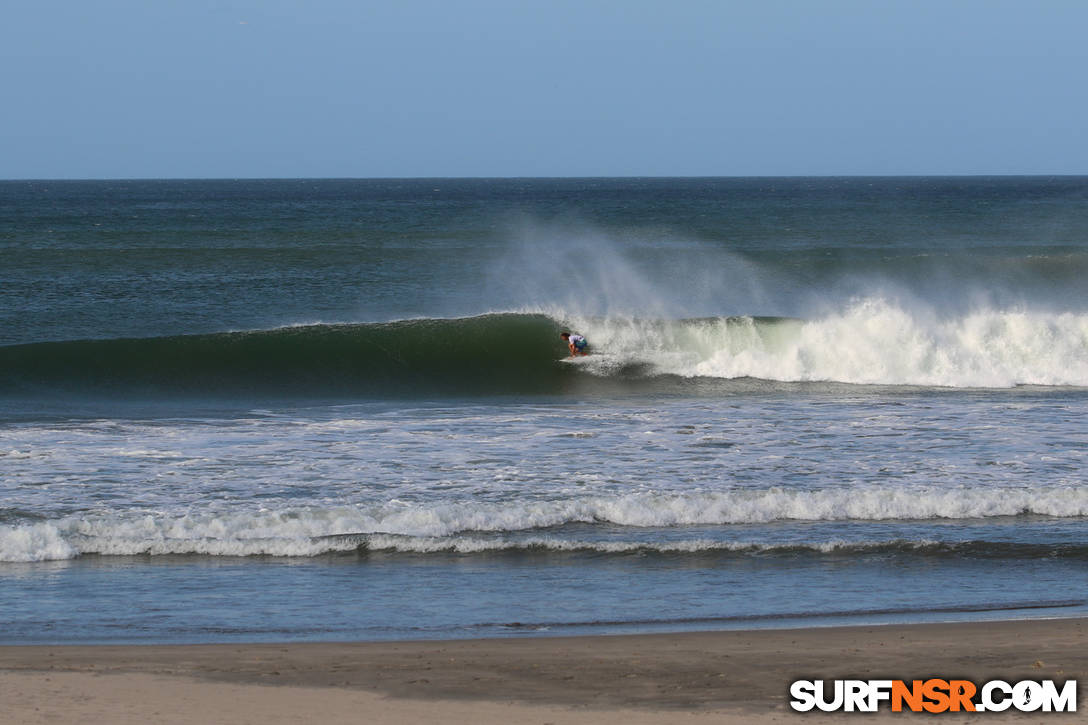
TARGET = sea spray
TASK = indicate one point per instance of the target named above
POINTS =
(573, 266)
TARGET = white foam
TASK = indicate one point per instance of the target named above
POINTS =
(872, 341)
(34, 542)
(298, 532)
(474, 545)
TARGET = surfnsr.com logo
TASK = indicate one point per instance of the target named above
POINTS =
(933, 695)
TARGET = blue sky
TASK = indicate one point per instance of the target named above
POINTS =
(358, 88)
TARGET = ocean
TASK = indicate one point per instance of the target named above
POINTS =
(304, 410)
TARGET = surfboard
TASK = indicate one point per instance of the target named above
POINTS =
(583, 358)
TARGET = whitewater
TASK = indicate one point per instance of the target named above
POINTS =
(286, 410)
(872, 342)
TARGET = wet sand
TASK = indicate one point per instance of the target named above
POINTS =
(682, 677)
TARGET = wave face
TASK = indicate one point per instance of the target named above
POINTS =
(873, 342)
(490, 353)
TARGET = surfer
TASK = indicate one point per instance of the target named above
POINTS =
(576, 343)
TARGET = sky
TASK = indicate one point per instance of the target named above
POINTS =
(441, 88)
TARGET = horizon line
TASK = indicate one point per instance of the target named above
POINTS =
(545, 178)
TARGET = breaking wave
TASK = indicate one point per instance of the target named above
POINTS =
(873, 342)
(531, 526)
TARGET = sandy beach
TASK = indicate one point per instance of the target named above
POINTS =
(681, 677)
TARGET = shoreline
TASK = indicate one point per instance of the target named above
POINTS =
(730, 675)
(518, 631)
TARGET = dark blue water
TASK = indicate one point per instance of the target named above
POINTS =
(145, 258)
